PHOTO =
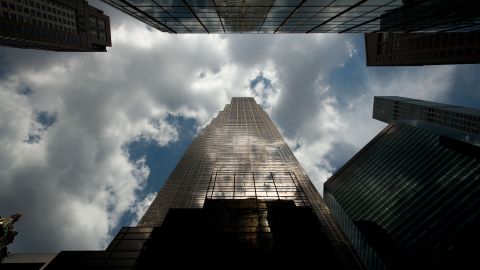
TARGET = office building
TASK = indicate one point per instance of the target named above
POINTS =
(410, 198)
(304, 16)
(416, 49)
(432, 16)
(390, 108)
(238, 199)
(57, 25)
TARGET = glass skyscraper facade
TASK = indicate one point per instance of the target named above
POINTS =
(415, 49)
(238, 199)
(410, 198)
(304, 16)
(239, 155)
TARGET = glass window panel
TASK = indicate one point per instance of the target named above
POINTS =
(130, 245)
(317, 2)
(140, 2)
(202, 3)
(293, 3)
(345, 2)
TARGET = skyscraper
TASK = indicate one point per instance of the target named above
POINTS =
(238, 199)
(57, 25)
(415, 49)
(304, 16)
(410, 198)
(463, 120)
(432, 16)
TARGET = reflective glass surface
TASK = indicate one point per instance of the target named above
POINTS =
(241, 157)
(409, 199)
(308, 16)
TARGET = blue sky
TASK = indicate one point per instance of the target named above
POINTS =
(161, 160)
(86, 139)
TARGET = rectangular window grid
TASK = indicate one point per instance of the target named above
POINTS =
(308, 16)
(258, 185)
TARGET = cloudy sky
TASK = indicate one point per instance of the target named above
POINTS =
(86, 139)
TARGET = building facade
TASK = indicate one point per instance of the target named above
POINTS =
(391, 108)
(415, 49)
(304, 16)
(409, 198)
(238, 199)
(58, 25)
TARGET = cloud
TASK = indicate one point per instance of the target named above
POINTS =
(344, 125)
(66, 119)
(72, 178)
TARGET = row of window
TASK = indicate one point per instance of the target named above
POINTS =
(98, 34)
(429, 39)
(45, 6)
(41, 36)
(97, 28)
(96, 22)
(41, 16)
(428, 55)
(429, 42)
(40, 23)
(17, 12)
(410, 107)
(439, 116)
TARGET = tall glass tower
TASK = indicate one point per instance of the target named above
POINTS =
(239, 155)
(238, 199)
(410, 198)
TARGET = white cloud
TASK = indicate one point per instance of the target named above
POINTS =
(76, 182)
(336, 131)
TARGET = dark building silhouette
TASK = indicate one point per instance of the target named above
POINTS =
(238, 199)
(303, 16)
(58, 25)
(432, 32)
(410, 198)
(415, 49)
(26, 261)
(432, 16)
